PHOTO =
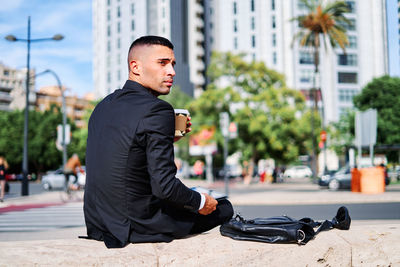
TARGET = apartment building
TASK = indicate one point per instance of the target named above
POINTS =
(13, 88)
(264, 31)
(116, 23)
(75, 106)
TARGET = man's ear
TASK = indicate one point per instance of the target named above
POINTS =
(135, 67)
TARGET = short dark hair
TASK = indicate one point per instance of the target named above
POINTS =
(150, 40)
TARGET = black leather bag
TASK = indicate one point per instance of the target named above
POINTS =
(282, 229)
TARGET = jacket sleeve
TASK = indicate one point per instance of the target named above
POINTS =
(159, 129)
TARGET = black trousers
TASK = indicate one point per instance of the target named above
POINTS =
(222, 214)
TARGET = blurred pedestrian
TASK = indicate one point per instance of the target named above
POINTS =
(275, 174)
(198, 168)
(247, 172)
(3, 168)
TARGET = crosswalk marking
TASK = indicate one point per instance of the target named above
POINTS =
(40, 219)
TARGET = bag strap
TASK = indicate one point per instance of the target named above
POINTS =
(341, 221)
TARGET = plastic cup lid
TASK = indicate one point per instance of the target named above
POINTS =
(182, 111)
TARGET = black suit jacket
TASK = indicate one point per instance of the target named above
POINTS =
(131, 192)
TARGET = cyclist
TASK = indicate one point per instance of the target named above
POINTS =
(73, 164)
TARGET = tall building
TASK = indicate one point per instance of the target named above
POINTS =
(12, 88)
(116, 23)
(264, 31)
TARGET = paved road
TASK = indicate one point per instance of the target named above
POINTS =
(15, 189)
(39, 222)
(365, 211)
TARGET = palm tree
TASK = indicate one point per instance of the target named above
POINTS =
(323, 20)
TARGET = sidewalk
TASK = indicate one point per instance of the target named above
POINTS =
(360, 246)
(365, 244)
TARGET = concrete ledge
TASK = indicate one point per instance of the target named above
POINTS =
(373, 245)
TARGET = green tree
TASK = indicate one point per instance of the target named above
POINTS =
(323, 19)
(342, 133)
(269, 115)
(79, 135)
(42, 151)
(383, 94)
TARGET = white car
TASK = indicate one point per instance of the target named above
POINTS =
(56, 179)
(298, 172)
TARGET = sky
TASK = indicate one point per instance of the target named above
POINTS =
(70, 58)
(393, 38)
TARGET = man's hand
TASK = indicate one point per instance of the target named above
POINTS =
(209, 206)
(188, 129)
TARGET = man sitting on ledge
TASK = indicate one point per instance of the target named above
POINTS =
(131, 192)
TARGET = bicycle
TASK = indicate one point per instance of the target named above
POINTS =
(72, 192)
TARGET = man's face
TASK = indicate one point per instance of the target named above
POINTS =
(156, 68)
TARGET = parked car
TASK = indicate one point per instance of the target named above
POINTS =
(56, 179)
(300, 171)
(233, 171)
(341, 179)
(338, 180)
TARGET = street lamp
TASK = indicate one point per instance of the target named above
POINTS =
(28, 40)
(63, 110)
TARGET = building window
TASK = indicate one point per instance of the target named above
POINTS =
(253, 41)
(119, 27)
(235, 25)
(347, 60)
(273, 4)
(252, 5)
(119, 75)
(108, 61)
(254, 56)
(118, 12)
(108, 77)
(274, 58)
(273, 22)
(253, 23)
(352, 42)
(108, 30)
(119, 43)
(234, 8)
(108, 2)
(108, 46)
(306, 76)
(351, 5)
(132, 9)
(163, 12)
(235, 43)
(133, 25)
(346, 95)
(119, 59)
(108, 15)
(306, 58)
(274, 39)
(347, 77)
(351, 27)
(301, 5)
